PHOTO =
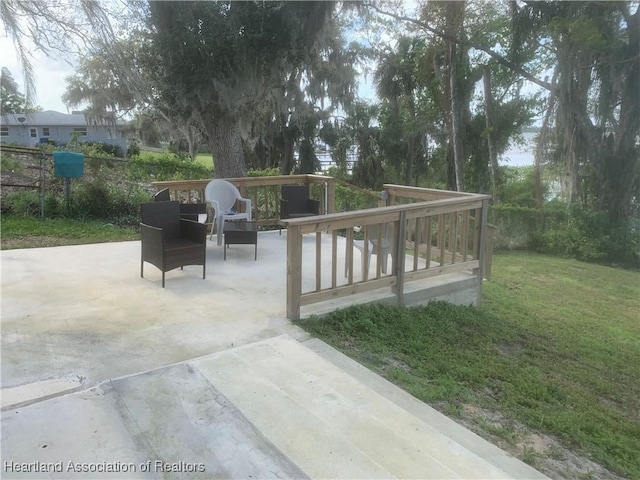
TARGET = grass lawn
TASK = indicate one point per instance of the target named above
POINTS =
(554, 351)
(29, 232)
(205, 159)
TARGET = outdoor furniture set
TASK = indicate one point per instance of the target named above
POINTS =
(174, 234)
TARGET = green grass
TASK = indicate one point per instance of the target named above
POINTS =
(205, 159)
(29, 232)
(555, 346)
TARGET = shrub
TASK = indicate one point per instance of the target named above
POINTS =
(591, 236)
(98, 200)
(266, 172)
(517, 226)
(27, 203)
(166, 166)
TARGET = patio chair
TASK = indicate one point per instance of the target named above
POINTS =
(222, 196)
(162, 195)
(169, 241)
(196, 212)
(382, 249)
(295, 203)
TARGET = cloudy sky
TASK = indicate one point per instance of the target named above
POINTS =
(49, 72)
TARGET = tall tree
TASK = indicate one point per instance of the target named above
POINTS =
(597, 47)
(399, 79)
(226, 60)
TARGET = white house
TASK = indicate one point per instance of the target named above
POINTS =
(39, 127)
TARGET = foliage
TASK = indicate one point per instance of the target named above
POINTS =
(97, 200)
(11, 100)
(267, 172)
(516, 187)
(52, 26)
(244, 56)
(592, 236)
(536, 353)
(348, 199)
(165, 166)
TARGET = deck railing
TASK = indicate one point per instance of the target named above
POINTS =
(427, 232)
(430, 238)
(264, 192)
(402, 193)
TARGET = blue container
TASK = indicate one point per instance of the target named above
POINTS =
(68, 164)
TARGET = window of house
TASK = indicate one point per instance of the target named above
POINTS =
(4, 131)
(45, 131)
(81, 130)
(33, 132)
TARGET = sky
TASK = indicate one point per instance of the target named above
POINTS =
(50, 73)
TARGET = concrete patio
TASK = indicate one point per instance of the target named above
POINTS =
(108, 370)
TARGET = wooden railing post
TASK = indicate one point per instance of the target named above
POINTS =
(294, 271)
(400, 257)
(481, 248)
(331, 195)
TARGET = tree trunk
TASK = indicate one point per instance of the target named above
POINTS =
(620, 152)
(488, 117)
(226, 147)
(455, 11)
(288, 160)
(542, 142)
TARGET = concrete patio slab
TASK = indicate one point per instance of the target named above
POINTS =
(101, 366)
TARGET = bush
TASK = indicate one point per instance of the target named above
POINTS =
(98, 200)
(518, 227)
(166, 166)
(23, 204)
(591, 236)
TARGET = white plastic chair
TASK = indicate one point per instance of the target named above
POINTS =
(383, 249)
(222, 197)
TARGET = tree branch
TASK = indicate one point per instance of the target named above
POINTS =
(499, 58)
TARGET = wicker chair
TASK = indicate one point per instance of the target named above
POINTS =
(169, 241)
(295, 203)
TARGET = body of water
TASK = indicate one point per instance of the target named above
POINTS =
(520, 155)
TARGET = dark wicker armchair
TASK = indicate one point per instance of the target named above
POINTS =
(168, 241)
(295, 203)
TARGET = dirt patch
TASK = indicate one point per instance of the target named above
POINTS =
(543, 452)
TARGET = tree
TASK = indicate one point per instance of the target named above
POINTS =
(596, 96)
(118, 79)
(226, 60)
(399, 83)
(12, 100)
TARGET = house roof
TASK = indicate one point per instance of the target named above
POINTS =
(47, 118)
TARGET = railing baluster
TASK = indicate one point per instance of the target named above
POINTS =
(318, 261)
(417, 242)
(334, 258)
(453, 235)
(441, 237)
(427, 236)
(349, 255)
(465, 235)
